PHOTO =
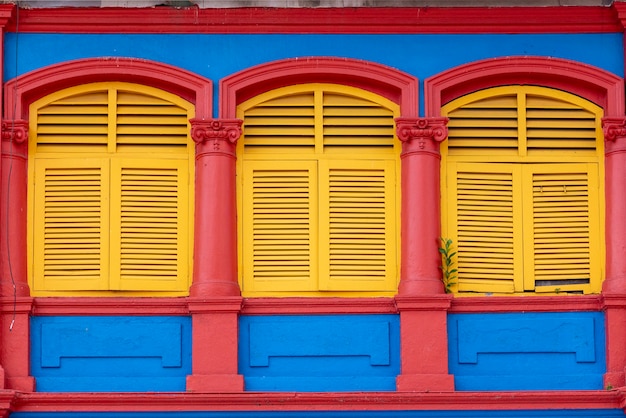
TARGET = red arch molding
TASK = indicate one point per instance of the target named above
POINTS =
(388, 82)
(597, 85)
(26, 88)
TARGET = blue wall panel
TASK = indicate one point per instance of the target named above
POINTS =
(217, 56)
(532, 351)
(96, 354)
(570, 413)
(319, 353)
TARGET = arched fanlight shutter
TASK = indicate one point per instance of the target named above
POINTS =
(318, 194)
(523, 191)
(112, 165)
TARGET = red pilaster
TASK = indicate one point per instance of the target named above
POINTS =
(615, 317)
(420, 156)
(13, 209)
(215, 335)
(424, 343)
(215, 247)
(615, 183)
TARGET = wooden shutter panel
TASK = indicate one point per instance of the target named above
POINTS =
(484, 216)
(357, 225)
(71, 222)
(561, 215)
(149, 225)
(279, 226)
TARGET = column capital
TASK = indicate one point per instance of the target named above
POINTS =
(15, 131)
(421, 134)
(614, 129)
(216, 135)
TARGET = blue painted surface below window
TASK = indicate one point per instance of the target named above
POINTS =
(110, 354)
(326, 353)
(527, 351)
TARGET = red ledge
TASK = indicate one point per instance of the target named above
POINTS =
(257, 401)
(286, 306)
(17, 305)
(6, 13)
(424, 303)
(321, 20)
(217, 305)
(110, 306)
(565, 303)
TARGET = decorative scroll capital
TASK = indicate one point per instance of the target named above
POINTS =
(614, 134)
(221, 132)
(421, 134)
(614, 128)
(15, 131)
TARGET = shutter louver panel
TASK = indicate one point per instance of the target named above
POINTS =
(71, 219)
(351, 121)
(285, 121)
(149, 121)
(356, 226)
(488, 125)
(562, 226)
(279, 221)
(77, 123)
(557, 126)
(486, 211)
(151, 225)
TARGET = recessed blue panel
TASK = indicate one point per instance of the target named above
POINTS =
(110, 354)
(319, 353)
(527, 351)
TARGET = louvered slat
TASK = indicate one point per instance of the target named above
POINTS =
(72, 223)
(280, 220)
(485, 217)
(555, 125)
(287, 121)
(487, 125)
(150, 121)
(150, 228)
(354, 121)
(356, 226)
(73, 124)
(561, 227)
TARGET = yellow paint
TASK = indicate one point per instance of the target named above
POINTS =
(522, 179)
(136, 237)
(336, 146)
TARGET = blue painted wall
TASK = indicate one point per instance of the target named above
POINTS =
(110, 354)
(217, 56)
(574, 413)
(527, 351)
(327, 353)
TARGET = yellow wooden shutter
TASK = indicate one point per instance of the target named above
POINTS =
(562, 227)
(138, 137)
(149, 225)
(485, 221)
(280, 226)
(342, 140)
(357, 225)
(551, 144)
(71, 222)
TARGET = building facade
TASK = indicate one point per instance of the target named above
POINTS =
(303, 210)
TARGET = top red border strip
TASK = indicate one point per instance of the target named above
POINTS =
(464, 20)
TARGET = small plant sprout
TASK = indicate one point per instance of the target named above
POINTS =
(449, 273)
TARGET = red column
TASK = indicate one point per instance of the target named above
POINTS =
(614, 286)
(419, 270)
(215, 243)
(16, 302)
(215, 300)
(421, 300)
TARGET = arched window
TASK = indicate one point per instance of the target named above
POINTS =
(111, 174)
(523, 190)
(318, 192)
